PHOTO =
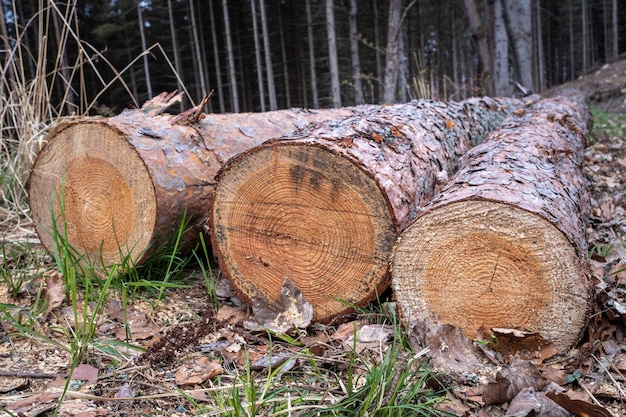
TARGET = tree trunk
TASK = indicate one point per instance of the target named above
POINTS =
(283, 53)
(479, 33)
(518, 19)
(502, 82)
(503, 243)
(269, 68)
(309, 22)
(324, 206)
(392, 60)
(257, 55)
(354, 52)
(232, 76)
(144, 47)
(335, 87)
(614, 31)
(175, 50)
(216, 58)
(126, 181)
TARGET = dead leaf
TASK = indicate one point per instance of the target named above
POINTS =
(198, 371)
(86, 373)
(141, 327)
(125, 391)
(511, 380)
(370, 336)
(532, 403)
(232, 314)
(292, 310)
(449, 124)
(55, 292)
(449, 349)
(577, 407)
(346, 330)
(515, 344)
(35, 404)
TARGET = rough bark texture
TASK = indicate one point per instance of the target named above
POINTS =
(324, 206)
(122, 184)
(503, 243)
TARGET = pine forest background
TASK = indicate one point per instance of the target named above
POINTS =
(261, 55)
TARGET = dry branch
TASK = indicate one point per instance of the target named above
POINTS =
(323, 207)
(122, 184)
(503, 244)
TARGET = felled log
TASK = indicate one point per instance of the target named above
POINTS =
(322, 207)
(503, 244)
(119, 186)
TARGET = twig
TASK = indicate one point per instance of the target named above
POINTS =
(33, 375)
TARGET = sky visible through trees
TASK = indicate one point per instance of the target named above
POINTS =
(268, 54)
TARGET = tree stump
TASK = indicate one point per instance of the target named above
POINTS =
(120, 186)
(503, 243)
(323, 207)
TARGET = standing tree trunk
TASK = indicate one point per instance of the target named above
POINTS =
(195, 29)
(518, 18)
(503, 243)
(479, 33)
(335, 88)
(354, 52)
(309, 23)
(585, 34)
(144, 47)
(392, 60)
(125, 182)
(232, 76)
(217, 60)
(257, 55)
(323, 207)
(269, 69)
(7, 71)
(175, 50)
(379, 65)
(615, 31)
(502, 82)
(283, 53)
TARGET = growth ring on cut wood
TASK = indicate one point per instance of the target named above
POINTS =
(91, 184)
(307, 214)
(491, 263)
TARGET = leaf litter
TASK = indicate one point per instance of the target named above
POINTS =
(190, 349)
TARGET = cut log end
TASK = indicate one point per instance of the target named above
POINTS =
(304, 213)
(492, 265)
(90, 183)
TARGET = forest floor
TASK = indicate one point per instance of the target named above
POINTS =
(183, 358)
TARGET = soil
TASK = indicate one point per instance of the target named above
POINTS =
(186, 345)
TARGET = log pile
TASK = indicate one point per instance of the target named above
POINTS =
(503, 244)
(121, 185)
(323, 207)
(319, 198)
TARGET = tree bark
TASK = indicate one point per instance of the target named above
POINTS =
(126, 181)
(323, 207)
(503, 243)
